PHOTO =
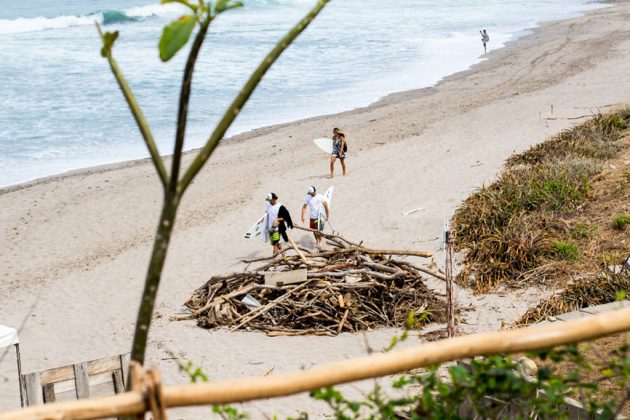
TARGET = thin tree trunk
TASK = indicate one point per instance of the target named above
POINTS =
(154, 273)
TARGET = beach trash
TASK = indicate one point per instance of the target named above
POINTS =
(251, 302)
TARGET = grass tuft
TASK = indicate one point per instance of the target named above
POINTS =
(566, 251)
(620, 222)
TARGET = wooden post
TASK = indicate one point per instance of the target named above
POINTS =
(450, 310)
(20, 379)
(81, 380)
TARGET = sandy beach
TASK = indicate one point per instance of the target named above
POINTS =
(75, 247)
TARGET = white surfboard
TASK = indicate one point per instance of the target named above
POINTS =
(258, 228)
(325, 144)
(322, 211)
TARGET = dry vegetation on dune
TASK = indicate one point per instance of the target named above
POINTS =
(557, 215)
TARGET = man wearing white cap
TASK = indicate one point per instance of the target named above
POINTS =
(318, 212)
(278, 218)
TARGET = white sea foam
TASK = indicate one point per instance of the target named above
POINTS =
(22, 25)
(36, 24)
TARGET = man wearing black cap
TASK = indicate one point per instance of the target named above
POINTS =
(318, 212)
(278, 218)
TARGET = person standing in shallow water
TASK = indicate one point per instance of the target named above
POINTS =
(339, 151)
(485, 38)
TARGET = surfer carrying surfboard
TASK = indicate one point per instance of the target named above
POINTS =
(278, 218)
(318, 212)
(339, 151)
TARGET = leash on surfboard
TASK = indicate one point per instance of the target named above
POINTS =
(331, 227)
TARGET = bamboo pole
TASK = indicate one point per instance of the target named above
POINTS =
(240, 390)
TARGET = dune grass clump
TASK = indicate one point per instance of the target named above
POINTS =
(595, 139)
(580, 294)
(520, 222)
(620, 222)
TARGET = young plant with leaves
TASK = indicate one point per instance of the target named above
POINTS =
(174, 37)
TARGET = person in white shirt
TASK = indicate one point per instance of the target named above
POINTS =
(318, 212)
(278, 219)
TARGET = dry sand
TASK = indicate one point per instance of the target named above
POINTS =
(75, 247)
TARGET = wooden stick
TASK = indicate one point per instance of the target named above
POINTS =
(422, 269)
(484, 344)
(343, 321)
(297, 250)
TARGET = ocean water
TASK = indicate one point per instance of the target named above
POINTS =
(60, 107)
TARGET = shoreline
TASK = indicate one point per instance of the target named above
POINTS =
(266, 129)
(76, 247)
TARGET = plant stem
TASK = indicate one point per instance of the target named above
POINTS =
(158, 256)
(184, 99)
(147, 135)
(245, 93)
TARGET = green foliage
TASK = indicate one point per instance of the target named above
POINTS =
(225, 5)
(175, 35)
(186, 3)
(493, 387)
(108, 42)
(566, 251)
(229, 413)
(195, 374)
(621, 221)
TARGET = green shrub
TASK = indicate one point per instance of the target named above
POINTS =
(621, 221)
(566, 251)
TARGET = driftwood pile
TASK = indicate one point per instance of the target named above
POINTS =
(347, 288)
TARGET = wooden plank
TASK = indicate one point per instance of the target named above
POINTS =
(102, 390)
(65, 386)
(49, 393)
(57, 374)
(66, 395)
(117, 378)
(33, 389)
(106, 364)
(124, 364)
(280, 278)
(101, 378)
(81, 380)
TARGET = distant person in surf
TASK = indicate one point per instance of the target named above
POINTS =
(317, 218)
(485, 38)
(339, 151)
(278, 218)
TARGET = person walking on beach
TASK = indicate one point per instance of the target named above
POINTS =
(278, 218)
(339, 151)
(318, 212)
(485, 38)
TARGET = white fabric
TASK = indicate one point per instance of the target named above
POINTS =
(272, 214)
(8, 336)
(315, 205)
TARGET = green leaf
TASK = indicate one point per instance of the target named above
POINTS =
(108, 42)
(224, 5)
(175, 36)
(192, 7)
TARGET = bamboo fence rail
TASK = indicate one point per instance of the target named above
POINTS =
(240, 390)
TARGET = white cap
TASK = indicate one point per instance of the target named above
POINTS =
(271, 196)
(311, 190)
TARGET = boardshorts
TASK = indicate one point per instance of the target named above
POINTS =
(274, 238)
(318, 224)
